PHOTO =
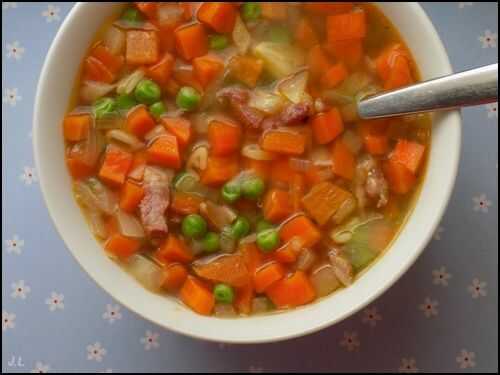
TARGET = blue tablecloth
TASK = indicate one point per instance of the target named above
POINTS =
(441, 316)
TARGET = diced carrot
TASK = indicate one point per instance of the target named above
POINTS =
(327, 126)
(376, 144)
(261, 168)
(297, 188)
(180, 127)
(197, 296)
(187, 10)
(283, 142)
(304, 34)
(267, 275)
(243, 300)
(166, 38)
(350, 52)
(111, 225)
(274, 11)
(324, 200)
(115, 166)
(139, 121)
(327, 7)
(148, 9)
(288, 252)
(315, 174)
(207, 68)
(224, 138)
(277, 205)
(217, 15)
(252, 256)
(385, 61)
(78, 168)
(281, 171)
(400, 178)
(94, 70)
(112, 62)
(344, 161)
(292, 291)
(219, 170)
(174, 276)
(228, 268)
(346, 26)
(172, 87)
(162, 70)
(301, 227)
(317, 61)
(408, 153)
(164, 151)
(400, 74)
(245, 69)
(334, 76)
(191, 41)
(185, 203)
(76, 127)
(142, 47)
(186, 77)
(174, 250)
(121, 246)
(131, 196)
(136, 171)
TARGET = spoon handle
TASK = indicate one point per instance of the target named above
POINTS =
(472, 87)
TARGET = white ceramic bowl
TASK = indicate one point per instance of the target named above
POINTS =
(54, 88)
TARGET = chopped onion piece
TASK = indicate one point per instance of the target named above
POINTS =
(134, 25)
(345, 210)
(352, 141)
(344, 233)
(113, 121)
(198, 159)
(114, 39)
(147, 272)
(241, 37)
(217, 215)
(320, 156)
(294, 88)
(224, 310)
(127, 84)
(336, 97)
(93, 194)
(280, 59)
(266, 102)
(253, 151)
(157, 131)
(226, 241)
(92, 90)
(97, 225)
(251, 238)
(125, 138)
(341, 267)
(306, 259)
(260, 305)
(320, 105)
(324, 280)
(300, 165)
(128, 225)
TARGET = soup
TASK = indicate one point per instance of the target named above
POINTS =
(216, 151)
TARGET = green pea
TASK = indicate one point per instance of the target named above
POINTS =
(104, 107)
(252, 188)
(194, 226)
(268, 240)
(279, 34)
(263, 225)
(218, 41)
(131, 15)
(125, 102)
(187, 98)
(147, 92)
(157, 109)
(240, 227)
(231, 192)
(210, 242)
(223, 293)
(250, 11)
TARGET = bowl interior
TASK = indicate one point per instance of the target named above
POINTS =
(54, 89)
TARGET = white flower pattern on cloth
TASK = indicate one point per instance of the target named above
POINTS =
(8, 320)
(350, 341)
(481, 203)
(8, 5)
(492, 109)
(440, 276)
(488, 39)
(408, 366)
(15, 50)
(11, 96)
(28, 176)
(95, 352)
(55, 301)
(112, 313)
(15, 245)
(429, 307)
(40, 368)
(371, 316)
(20, 289)
(150, 340)
(437, 234)
(51, 13)
(466, 359)
(477, 288)
(462, 5)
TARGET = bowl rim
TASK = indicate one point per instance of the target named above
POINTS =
(213, 336)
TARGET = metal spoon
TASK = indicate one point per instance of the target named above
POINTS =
(472, 87)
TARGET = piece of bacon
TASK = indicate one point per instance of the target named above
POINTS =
(155, 202)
